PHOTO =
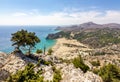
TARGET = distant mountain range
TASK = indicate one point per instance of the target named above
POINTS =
(88, 25)
(92, 34)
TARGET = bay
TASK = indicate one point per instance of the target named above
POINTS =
(41, 32)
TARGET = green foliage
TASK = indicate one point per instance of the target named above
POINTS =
(78, 63)
(38, 63)
(39, 51)
(26, 75)
(50, 51)
(95, 71)
(65, 34)
(24, 39)
(97, 38)
(95, 63)
(45, 62)
(109, 73)
(57, 75)
(53, 68)
(59, 35)
(99, 53)
(65, 61)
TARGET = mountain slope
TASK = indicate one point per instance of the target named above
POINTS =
(95, 35)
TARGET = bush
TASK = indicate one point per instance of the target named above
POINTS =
(65, 61)
(26, 75)
(53, 68)
(95, 71)
(50, 51)
(99, 53)
(109, 73)
(95, 63)
(78, 63)
(45, 62)
(57, 75)
(39, 51)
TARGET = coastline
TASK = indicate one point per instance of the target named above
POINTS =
(41, 32)
(68, 49)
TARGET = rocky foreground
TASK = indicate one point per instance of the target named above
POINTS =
(71, 74)
(11, 63)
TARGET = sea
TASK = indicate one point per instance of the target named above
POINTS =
(41, 32)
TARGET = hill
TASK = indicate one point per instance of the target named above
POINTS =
(88, 25)
(94, 35)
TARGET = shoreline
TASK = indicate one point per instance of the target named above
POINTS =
(40, 31)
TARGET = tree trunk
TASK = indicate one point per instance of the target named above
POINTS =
(29, 51)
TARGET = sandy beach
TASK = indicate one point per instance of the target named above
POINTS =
(69, 49)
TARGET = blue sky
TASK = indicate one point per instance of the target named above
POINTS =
(58, 12)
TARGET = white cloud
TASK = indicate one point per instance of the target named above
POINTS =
(19, 14)
(60, 18)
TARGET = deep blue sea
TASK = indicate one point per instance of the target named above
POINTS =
(41, 32)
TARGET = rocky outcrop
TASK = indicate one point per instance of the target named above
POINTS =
(56, 35)
(17, 61)
(11, 63)
(3, 57)
(4, 75)
(52, 36)
(69, 73)
(72, 74)
(48, 73)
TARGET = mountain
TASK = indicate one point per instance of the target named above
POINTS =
(88, 25)
(92, 34)
(112, 25)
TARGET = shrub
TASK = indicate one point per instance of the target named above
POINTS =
(65, 61)
(99, 53)
(45, 62)
(57, 75)
(78, 63)
(95, 63)
(95, 71)
(26, 75)
(39, 51)
(53, 68)
(109, 73)
(50, 51)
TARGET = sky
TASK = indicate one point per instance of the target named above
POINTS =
(58, 12)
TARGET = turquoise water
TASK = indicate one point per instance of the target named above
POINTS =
(41, 32)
